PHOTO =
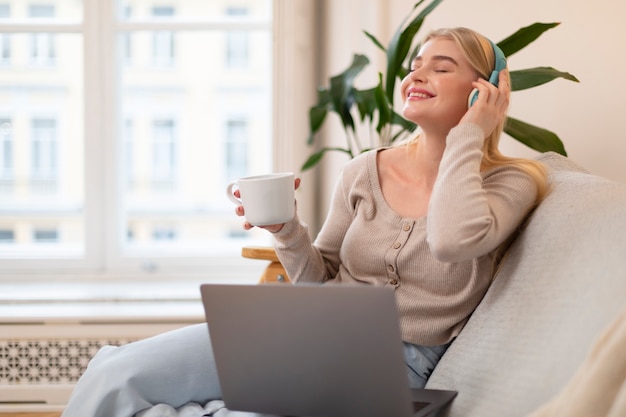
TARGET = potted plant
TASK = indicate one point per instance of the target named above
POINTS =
(374, 106)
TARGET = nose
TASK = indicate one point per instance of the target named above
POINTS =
(417, 74)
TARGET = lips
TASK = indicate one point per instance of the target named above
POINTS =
(419, 94)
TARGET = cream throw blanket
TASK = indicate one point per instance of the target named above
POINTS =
(598, 388)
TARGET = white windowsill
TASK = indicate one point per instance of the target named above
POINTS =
(73, 301)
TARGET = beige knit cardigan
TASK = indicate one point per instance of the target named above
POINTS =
(440, 265)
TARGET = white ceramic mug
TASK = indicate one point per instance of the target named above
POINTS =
(266, 199)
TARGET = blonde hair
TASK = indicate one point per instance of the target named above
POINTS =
(479, 53)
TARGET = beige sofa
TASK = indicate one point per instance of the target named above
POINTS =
(563, 282)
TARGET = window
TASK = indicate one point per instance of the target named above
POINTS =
(6, 236)
(42, 44)
(163, 40)
(163, 151)
(236, 156)
(119, 170)
(164, 233)
(44, 149)
(44, 156)
(7, 163)
(237, 42)
(5, 38)
(45, 236)
(125, 40)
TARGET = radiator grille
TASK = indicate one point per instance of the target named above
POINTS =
(33, 362)
(41, 362)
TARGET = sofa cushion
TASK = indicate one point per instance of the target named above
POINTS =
(563, 281)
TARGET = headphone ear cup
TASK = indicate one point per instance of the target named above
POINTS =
(494, 78)
(472, 97)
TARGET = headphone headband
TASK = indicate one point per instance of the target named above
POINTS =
(499, 65)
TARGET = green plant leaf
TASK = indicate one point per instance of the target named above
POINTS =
(534, 137)
(366, 103)
(533, 77)
(342, 89)
(524, 36)
(323, 97)
(375, 41)
(317, 157)
(400, 45)
(317, 115)
(383, 105)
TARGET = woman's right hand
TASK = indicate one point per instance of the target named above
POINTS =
(273, 228)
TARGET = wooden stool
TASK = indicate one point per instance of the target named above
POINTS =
(274, 272)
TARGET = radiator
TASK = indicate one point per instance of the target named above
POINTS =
(41, 362)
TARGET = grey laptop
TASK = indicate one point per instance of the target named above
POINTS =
(312, 350)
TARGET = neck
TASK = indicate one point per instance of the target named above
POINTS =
(427, 153)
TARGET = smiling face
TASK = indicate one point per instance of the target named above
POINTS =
(436, 89)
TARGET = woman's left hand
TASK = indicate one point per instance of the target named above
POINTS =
(492, 103)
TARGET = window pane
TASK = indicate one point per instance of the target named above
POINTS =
(187, 131)
(41, 149)
(42, 10)
(6, 236)
(193, 9)
(45, 236)
(236, 155)
(237, 42)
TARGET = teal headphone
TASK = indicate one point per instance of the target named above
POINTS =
(500, 64)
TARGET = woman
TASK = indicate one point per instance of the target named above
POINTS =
(428, 219)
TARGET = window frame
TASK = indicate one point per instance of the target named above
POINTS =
(102, 258)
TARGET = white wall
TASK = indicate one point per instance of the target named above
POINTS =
(589, 42)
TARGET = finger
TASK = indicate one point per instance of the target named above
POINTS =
(505, 83)
(237, 194)
(297, 183)
(247, 226)
(495, 95)
(504, 89)
(239, 211)
(505, 77)
(483, 87)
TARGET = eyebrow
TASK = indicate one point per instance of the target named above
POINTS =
(438, 58)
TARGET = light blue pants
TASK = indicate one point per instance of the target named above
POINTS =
(420, 362)
(176, 368)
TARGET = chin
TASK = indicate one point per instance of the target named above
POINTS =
(412, 115)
